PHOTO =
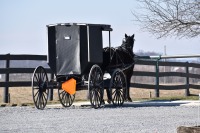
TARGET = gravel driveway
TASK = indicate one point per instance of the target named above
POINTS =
(132, 118)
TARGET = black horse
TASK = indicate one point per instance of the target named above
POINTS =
(121, 57)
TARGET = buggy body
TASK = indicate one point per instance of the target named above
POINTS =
(73, 48)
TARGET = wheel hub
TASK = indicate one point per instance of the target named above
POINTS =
(43, 87)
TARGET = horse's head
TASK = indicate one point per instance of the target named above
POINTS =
(128, 42)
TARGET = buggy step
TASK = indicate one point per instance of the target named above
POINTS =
(86, 82)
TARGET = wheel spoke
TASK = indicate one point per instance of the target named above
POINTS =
(114, 84)
(95, 72)
(115, 96)
(43, 77)
(92, 97)
(63, 96)
(61, 93)
(117, 100)
(36, 93)
(63, 100)
(43, 102)
(70, 99)
(40, 101)
(45, 97)
(46, 93)
(37, 101)
(121, 98)
(37, 80)
(37, 76)
(120, 91)
(97, 98)
(114, 92)
(38, 98)
(66, 99)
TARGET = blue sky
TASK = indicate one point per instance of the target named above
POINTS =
(23, 25)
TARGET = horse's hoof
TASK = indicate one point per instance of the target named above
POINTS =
(103, 102)
(109, 101)
(129, 99)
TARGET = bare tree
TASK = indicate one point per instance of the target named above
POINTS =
(180, 18)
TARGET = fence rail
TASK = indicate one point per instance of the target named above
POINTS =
(7, 70)
(157, 74)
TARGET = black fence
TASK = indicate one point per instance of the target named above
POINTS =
(7, 70)
(157, 74)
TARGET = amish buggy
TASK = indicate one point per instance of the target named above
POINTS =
(78, 60)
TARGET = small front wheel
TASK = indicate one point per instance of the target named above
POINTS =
(65, 98)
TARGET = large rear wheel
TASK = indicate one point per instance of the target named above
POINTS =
(96, 86)
(40, 89)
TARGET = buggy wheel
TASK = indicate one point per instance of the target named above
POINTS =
(40, 89)
(95, 86)
(65, 98)
(118, 87)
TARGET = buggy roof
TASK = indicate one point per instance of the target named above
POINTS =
(105, 27)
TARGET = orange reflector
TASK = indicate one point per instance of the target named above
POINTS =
(69, 86)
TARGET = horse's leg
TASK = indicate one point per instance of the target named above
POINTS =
(128, 79)
(128, 98)
(108, 95)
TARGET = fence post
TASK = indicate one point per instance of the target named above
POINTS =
(6, 88)
(157, 79)
(51, 90)
(187, 91)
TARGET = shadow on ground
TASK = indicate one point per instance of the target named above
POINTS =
(154, 103)
(135, 104)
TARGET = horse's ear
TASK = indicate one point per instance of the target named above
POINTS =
(126, 35)
(133, 35)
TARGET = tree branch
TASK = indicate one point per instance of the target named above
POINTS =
(180, 18)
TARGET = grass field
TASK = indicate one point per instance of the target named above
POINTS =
(23, 95)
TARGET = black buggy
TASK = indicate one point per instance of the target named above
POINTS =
(75, 55)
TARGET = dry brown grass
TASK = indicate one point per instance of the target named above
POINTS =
(21, 95)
